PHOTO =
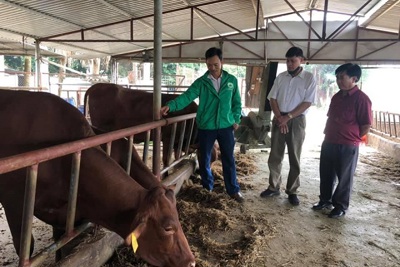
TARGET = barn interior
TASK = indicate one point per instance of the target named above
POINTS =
(254, 34)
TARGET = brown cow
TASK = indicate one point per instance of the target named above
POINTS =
(107, 195)
(112, 107)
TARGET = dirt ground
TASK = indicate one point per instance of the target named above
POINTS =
(271, 232)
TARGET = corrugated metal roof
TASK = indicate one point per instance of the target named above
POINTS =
(109, 21)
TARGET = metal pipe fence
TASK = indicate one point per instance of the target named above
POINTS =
(31, 160)
(386, 123)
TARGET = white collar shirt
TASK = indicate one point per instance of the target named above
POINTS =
(289, 92)
(215, 82)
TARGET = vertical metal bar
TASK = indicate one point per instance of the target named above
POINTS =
(171, 144)
(191, 23)
(146, 148)
(38, 80)
(129, 156)
(131, 25)
(73, 192)
(181, 137)
(380, 121)
(389, 125)
(324, 22)
(27, 215)
(188, 142)
(258, 17)
(108, 149)
(395, 123)
(158, 6)
(384, 122)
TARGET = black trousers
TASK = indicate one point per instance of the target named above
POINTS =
(337, 164)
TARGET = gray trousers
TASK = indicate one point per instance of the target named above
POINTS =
(294, 141)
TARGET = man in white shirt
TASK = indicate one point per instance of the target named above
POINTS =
(291, 95)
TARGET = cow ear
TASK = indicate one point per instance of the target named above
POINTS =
(136, 233)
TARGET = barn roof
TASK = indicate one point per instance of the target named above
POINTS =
(363, 30)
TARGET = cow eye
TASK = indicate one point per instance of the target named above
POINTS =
(169, 230)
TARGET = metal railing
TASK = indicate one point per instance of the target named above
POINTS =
(386, 123)
(32, 159)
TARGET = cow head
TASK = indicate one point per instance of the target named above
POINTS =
(159, 235)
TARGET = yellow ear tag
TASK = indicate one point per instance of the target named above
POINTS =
(135, 244)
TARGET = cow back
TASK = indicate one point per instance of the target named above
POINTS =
(30, 120)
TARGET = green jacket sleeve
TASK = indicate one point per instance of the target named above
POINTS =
(236, 104)
(186, 98)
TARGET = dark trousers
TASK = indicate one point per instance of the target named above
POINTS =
(226, 143)
(337, 161)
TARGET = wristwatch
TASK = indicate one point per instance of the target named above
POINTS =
(290, 115)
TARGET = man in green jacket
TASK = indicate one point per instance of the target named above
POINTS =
(218, 115)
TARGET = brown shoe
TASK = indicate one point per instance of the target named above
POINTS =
(238, 197)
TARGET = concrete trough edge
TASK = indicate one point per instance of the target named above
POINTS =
(385, 146)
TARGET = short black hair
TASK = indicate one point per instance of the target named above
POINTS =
(352, 70)
(214, 51)
(294, 52)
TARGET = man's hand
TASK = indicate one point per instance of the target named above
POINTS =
(164, 111)
(284, 128)
(281, 122)
(235, 126)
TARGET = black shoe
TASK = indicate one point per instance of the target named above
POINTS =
(336, 213)
(322, 205)
(269, 193)
(294, 200)
(238, 197)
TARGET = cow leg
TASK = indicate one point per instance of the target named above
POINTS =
(14, 219)
(57, 234)
(166, 156)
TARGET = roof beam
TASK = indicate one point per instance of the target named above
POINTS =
(257, 9)
(37, 12)
(284, 35)
(331, 40)
(298, 14)
(324, 22)
(18, 33)
(224, 38)
(374, 13)
(126, 14)
(48, 38)
(201, 18)
(46, 16)
(379, 49)
(226, 24)
(344, 24)
(312, 4)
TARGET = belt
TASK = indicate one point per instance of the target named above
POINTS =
(285, 113)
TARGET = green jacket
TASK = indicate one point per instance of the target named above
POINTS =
(216, 110)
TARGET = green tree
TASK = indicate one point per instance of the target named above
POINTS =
(76, 64)
(326, 81)
(15, 62)
(53, 68)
